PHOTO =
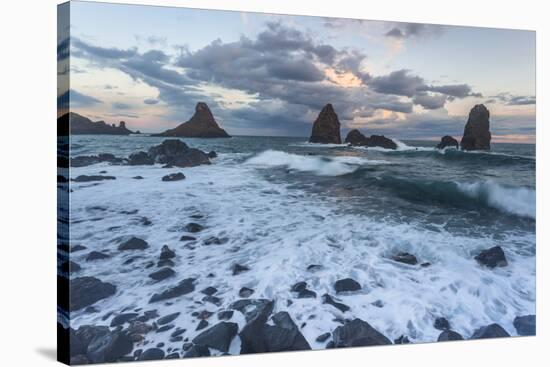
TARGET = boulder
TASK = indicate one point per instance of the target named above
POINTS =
(238, 268)
(202, 324)
(209, 291)
(140, 159)
(326, 128)
(245, 292)
(218, 336)
(476, 132)
(108, 347)
(134, 243)
(449, 335)
(197, 351)
(162, 274)
(173, 177)
(184, 287)
(174, 152)
(123, 318)
(85, 291)
(151, 354)
(168, 318)
(490, 331)
(201, 125)
(166, 253)
(323, 337)
(441, 323)
(356, 138)
(492, 257)
(193, 228)
(327, 299)
(253, 308)
(225, 315)
(447, 141)
(526, 325)
(92, 178)
(96, 255)
(357, 333)
(346, 285)
(405, 257)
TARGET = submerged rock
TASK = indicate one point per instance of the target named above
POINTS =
(449, 335)
(476, 132)
(346, 285)
(323, 337)
(236, 269)
(92, 178)
(441, 323)
(140, 159)
(184, 287)
(245, 292)
(70, 267)
(85, 291)
(193, 228)
(123, 318)
(357, 333)
(96, 255)
(405, 257)
(151, 354)
(197, 351)
(201, 125)
(327, 299)
(162, 274)
(218, 336)
(492, 257)
(490, 331)
(526, 325)
(447, 141)
(173, 177)
(134, 243)
(168, 318)
(166, 253)
(326, 128)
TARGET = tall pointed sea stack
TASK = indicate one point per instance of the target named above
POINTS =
(326, 129)
(476, 132)
(201, 125)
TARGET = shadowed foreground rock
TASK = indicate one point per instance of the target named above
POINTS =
(492, 257)
(526, 325)
(85, 291)
(201, 125)
(218, 336)
(490, 331)
(476, 132)
(326, 129)
(357, 333)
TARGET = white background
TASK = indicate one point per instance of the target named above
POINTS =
(28, 181)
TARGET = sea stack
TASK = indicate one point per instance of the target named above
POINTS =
(476, 132)
(447, 141)
(326, 129)
(201, 125)
(357, 139)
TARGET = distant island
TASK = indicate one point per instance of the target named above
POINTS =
(81, 125)
(201, 125)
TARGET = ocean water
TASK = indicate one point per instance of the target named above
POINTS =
(282, 204)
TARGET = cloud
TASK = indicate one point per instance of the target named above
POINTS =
(150, 101)
(408, 30)
(430, 102)
(72, 98)
(121, 106)
(63, 49)
(510, 99)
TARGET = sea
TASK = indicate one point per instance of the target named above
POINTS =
(281, 204)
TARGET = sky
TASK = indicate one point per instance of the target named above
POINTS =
(270, 75)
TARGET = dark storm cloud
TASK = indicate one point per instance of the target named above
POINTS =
(512, 100)
(407, 30)
(283, 68)
(76, 99)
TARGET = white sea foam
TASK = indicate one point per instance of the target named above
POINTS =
(514, 200)
(323, 166)
(278, 232)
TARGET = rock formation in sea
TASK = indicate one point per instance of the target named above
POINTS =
(476, 132)
(356, 138)
(447, 141)
(81, 125)
(201, 125)
(326, 129)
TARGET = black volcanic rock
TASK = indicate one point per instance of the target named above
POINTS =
(326, 129)
(201, 125)
(92, 178)
(134, 243)
(173, 177)
(405, 257)
(357, 333)
(356, 138)
(174, 152)
(476, 132)
(447, 141)
(492, 257)
(490, 331)
(81, 125)
(184, 287)
(218, 336)
(140, 159)
(526, 325)
(85, 291)
(107, 346)
(346, 285)
(86, 160)
(327, 299)
(449, 335)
